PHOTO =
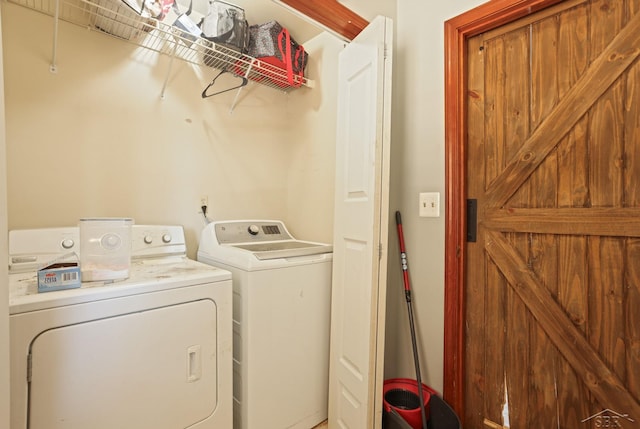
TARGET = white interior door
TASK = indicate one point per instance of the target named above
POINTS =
(361, 229)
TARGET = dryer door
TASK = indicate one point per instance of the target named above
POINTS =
(154, 369)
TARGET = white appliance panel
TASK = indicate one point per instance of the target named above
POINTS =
(153, 351)
(159, 359)
(296, 327)
(281, 309)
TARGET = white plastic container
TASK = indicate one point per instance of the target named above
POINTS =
(105, 248)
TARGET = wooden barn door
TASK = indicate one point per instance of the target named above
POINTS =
(552, 275)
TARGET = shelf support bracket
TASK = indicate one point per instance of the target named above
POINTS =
(246, 75)
(53, 68)
(166, 78)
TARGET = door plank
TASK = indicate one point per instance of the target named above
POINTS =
(518, 361)
(573, 284)
(573, 161)
(474, 353)
(573, 156)
(610, 15)
(572, 191)
(515, 116)
(633, 7)
(632, 286)
(632, 134)
(601, 381)
(543, 248)
(605, 116)
(517, 321)
(494, 104)
(632, 199)
(606, 165)
(594, 82)
(544, 68)
(604, 221)
(494, 349)
(606, 268)
(542, 395)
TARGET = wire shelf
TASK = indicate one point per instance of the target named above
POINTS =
(115, 18)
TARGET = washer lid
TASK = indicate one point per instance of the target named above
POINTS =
(265, 239)
(285, 249)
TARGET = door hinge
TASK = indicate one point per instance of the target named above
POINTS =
(380, 255)
(472, 220)
(29, 366)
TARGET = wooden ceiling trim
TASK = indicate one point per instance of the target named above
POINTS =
(331, 14)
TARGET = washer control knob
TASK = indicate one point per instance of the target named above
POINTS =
(253, 230)
(68, 243)
(166, 238)
(148, 239)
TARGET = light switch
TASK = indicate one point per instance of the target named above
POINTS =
(429, 204)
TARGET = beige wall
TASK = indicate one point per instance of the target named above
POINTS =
(4, 290)
(311, 149)
(418, 166)
(95, 139)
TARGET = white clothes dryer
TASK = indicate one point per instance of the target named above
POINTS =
(281, 318)
(153, 351)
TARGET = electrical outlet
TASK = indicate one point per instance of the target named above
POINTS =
(429, 204)
(204, 204)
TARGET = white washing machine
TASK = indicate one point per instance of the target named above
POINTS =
(153, 351)
(281, 317)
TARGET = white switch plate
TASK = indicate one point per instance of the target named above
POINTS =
(429, 204)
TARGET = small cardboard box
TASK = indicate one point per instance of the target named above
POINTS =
(59, 276)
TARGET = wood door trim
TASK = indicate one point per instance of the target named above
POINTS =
(483, 18)
(603, 383)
